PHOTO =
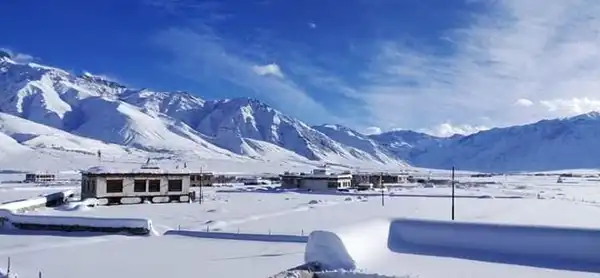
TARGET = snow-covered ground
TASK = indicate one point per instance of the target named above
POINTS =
(258, 232)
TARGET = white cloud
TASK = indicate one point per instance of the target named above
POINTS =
(372, 130)
(18, 57)
(312, 25)
(573, 106)
(270, 69)
(524, 102)
(539, 51)
(447, 130)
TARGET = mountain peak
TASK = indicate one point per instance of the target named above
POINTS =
(4, 54)
(593, 115)
(101, 80)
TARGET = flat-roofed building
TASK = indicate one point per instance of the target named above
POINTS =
(148, 183)
(319, 179)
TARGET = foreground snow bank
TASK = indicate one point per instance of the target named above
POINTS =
(73, 224)
(10, 214)
(348, 247)
(575, 244)
(88, 224)
(363, 244)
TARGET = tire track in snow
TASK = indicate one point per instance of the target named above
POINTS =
(222, 224)
(46, 246)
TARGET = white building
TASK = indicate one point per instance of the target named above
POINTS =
(148, 183)
(319, 179)
(39, 177)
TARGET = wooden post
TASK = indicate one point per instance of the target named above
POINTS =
(381, 187)
(201, 182)
(452, 192)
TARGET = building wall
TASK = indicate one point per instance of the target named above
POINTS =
(323, 184)
(96, 188)
(314, 184)
(290, 182)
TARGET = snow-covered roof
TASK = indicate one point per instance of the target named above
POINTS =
(142, 170)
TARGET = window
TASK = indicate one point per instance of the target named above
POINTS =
(114, 186)
(332, 184)
(175, 185)
(154, 185)
(139, 186)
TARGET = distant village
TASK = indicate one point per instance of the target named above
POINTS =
(150, 183)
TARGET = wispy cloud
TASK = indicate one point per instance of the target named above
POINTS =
(448, 129)
(201, 55)
(542, 55)
(372, 130)
(270, 69)
(18, 56)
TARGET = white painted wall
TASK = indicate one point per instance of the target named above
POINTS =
(321, 184)
(128, 186)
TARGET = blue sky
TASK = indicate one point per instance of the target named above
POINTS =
(429, 65)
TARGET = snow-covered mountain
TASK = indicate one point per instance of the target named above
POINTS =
(545, 145)
(93, 108)
(43, 107)
(361, 145)
(407, 143)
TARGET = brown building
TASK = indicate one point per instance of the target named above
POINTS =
(202, 179)
(378, 178)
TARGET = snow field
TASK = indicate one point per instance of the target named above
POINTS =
(269, 228)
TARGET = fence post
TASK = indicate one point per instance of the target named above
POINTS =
(8, 268)
(269, 231)
(302, 233)
(40, 274)
(207, 228)
(238, 230)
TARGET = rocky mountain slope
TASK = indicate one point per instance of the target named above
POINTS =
(91, 107)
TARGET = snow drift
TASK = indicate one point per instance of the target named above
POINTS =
(9, 213)
(364, 245)
(349, 247)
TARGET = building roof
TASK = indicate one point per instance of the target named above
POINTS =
(101, 170)
(317, 176)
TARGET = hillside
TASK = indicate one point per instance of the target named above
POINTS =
(92, 108)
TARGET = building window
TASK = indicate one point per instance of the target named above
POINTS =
(139, 186)
(114, 186)
(154, 185)
(175, 185)
(332, 184)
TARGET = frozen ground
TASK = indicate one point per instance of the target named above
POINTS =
(258, 232)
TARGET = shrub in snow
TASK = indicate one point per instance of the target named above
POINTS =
(313, 202)
(348, 199)
(486, 197)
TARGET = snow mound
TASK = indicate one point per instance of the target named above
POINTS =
(363, 245)
(348, 248)
(75, 207)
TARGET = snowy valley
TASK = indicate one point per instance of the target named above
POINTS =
(56, 122)
(43, 107)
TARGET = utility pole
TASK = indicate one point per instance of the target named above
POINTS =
(452, 192)
(201, 182)
(381, 187)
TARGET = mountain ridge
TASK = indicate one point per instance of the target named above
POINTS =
(93, 107)
(61, 110)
